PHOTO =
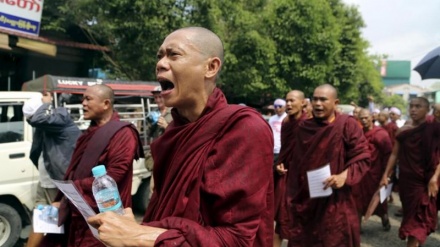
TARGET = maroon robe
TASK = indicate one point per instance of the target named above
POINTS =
(418, 158)
(391, 128)
(118, 158)
(287, 143)
(379, 145)
(326, 221)
(211, 179)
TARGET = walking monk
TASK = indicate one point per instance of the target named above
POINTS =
(416, 148)
(379, 144)
(334, 139)
(211, 165)
(296, 112)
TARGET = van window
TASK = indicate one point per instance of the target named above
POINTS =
(11, 122)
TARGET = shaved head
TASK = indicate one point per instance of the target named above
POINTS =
(364, 111)
(207, 41)
(104, 92)
(366, 119)
(423, 100)
(324, 102)
(330, 89)
(297, 93)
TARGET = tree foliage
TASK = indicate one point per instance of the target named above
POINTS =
(271, 46)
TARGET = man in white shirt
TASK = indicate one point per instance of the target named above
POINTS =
(275, 123)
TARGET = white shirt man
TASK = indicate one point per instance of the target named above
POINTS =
(275, 123)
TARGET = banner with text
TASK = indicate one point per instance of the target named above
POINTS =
(22, 16)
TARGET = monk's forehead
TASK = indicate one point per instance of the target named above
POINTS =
(417, 101)
(182, 40)
(364, 112)
(295, 94)
(324, 91)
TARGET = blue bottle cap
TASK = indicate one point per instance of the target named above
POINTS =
(40, 207)
(98, 170)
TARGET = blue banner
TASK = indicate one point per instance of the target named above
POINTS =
(19, 24)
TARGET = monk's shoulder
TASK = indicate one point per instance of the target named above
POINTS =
(248, 117)
(404, 128)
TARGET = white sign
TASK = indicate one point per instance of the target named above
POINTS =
(316, 180)
(22, 16)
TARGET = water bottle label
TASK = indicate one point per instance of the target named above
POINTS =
(108, 200)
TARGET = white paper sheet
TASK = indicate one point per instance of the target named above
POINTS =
(385, 192)
(69, 190)
(316, 178)
(42, 226)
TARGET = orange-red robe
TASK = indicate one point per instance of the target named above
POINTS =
(288, 128)
(118, 158)
(380, 147)
(418, 158)
(213, 183)
(328, 221)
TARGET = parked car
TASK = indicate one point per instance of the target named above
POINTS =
(19, 176)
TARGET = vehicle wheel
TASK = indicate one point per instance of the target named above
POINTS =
(142, 196)
(10, 225)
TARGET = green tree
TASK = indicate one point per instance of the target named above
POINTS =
(270, 46)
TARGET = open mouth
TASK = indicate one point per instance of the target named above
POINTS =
(166, 85)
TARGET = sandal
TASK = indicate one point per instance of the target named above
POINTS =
(386, 224)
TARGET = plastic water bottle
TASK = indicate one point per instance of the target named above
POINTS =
(49, 213)
(105, 191)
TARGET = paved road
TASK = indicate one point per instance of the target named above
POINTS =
(373, 235)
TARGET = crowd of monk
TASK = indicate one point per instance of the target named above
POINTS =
(213, 165)
(362, 151)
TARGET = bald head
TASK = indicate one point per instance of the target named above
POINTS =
(364, 111)
(206, 41)
(436, 111)
(104, 92)
(297, 94)
(325, 102)
(329, 89)
(365, 118)
(424, 101)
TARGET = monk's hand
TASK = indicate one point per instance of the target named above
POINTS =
(336, 181)
(56, 204)
(280, 169)
(384, 181)
(123, 230)
(433, 187)
(162, 122)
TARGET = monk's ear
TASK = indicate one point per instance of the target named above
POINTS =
(336, 102)
(107, 103)
(213, 67)
(304, 103)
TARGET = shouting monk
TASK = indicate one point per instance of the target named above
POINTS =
(295, 109)
(379, 145)
(334, 139)
(416, 148)
(107, 141)
(211, 165)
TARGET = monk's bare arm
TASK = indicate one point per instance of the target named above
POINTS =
(123, 230)
(433, 182)
(390, 165)
(336, 181)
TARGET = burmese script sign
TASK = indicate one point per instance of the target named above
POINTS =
(22, 16)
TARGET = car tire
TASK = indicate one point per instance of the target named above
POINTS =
(10, 225)
(142, 197)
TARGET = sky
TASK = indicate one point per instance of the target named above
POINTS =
(401, 29)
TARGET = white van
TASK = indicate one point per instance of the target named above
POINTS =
(19, 176)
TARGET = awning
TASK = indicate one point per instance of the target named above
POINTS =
(76, 85)
(37, 46)
(4, 42)
(43, 45)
